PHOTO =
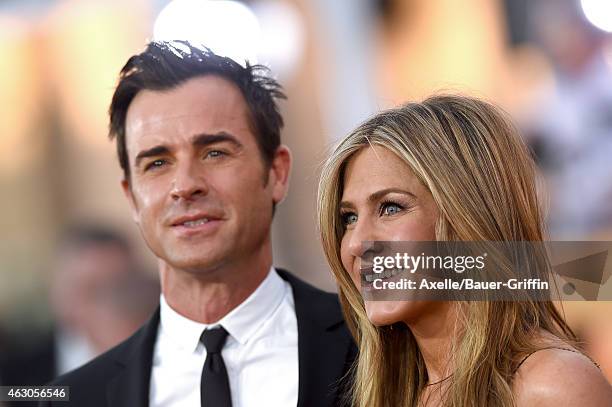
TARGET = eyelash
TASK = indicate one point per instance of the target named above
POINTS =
(152, 164)
(220, 153)
(385, 204)
(344, 218)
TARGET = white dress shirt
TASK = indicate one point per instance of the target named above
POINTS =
(260, 353)
(71, 351)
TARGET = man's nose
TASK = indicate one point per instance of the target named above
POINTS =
(189, 183)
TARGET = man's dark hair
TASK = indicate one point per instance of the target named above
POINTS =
(165, 65)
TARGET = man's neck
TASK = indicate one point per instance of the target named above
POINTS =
(208, 297)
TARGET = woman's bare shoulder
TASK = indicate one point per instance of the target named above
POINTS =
(561, 377)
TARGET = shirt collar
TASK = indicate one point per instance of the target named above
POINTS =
(241, 322)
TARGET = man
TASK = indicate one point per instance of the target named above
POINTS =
(198, 138)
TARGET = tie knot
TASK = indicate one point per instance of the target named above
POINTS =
(213, 339)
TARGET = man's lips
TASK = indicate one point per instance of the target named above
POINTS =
(199, 224)
(193, 220)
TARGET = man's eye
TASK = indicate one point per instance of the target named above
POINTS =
(348, 218)
(215, 154)
(155, 164)
(390, 208)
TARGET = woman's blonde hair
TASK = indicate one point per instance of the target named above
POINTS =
(482, 178)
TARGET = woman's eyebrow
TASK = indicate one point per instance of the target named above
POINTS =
(346, 205)
(376, 196)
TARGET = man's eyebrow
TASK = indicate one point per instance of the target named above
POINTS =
(199, 140)
(151, 152)
(376, 196)
(205, 139)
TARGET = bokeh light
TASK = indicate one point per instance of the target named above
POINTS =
(599, 13)
(227, 27)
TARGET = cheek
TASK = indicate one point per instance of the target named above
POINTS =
(150, 194)
(146, 195)
(233, 186)
(344, 254)
(421, 228)
(348, 261)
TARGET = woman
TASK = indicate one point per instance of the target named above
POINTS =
(448, 169)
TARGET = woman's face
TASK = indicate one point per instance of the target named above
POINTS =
(383, 200)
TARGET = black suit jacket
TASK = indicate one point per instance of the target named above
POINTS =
(29, 366)
(121, 376)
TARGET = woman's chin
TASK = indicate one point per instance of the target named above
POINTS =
(381, 313)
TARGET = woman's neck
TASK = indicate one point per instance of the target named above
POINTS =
(434, 333)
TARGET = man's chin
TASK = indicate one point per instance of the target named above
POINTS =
(194, 262)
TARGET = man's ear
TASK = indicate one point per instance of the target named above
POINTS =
(127, 190)
(280, 171)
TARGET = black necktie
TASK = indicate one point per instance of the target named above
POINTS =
(214, 384)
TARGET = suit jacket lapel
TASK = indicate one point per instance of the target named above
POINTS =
(130, 388)
(325, 351)
(324, 345)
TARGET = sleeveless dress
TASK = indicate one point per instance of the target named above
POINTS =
(554, 347)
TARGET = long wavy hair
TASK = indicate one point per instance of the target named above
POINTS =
(482, 178)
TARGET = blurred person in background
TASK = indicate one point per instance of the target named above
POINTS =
(571, 133)
(572, 130)
(98, 296)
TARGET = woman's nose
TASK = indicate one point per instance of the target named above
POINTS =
(364, 240)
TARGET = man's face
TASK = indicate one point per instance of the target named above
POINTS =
(199, 189)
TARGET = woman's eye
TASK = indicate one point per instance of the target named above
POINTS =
(349, 218)
(390, 209)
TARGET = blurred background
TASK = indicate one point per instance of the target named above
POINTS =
(70, 253)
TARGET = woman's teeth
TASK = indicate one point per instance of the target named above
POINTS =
(385, 274)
